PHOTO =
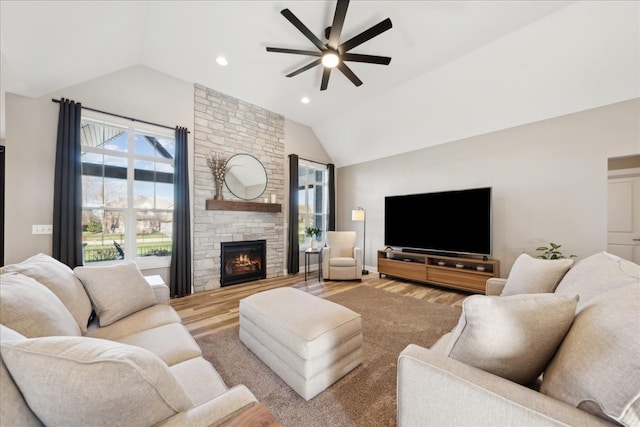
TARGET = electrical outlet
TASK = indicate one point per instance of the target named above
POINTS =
(42, 229)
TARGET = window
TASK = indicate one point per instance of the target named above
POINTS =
(313, 198)
(127, 191)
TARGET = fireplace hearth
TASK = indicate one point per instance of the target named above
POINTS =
(242, 262)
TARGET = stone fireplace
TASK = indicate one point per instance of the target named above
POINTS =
(226, 126)
(242, 262)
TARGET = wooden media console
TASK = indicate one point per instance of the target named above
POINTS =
(467, 274)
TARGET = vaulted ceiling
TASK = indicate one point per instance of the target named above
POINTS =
(458, 68)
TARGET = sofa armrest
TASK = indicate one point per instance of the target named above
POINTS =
(162, 293)
(215, 411)
(160, 290)
(326, 255)
(495, 286)
(437, 390)
(357, 254)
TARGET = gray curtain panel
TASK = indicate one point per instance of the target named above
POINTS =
(293, 254)
(180, 270)
(67, 196)
(331, 221)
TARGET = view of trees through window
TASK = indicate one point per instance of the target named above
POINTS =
(312, 199)
(127, 192)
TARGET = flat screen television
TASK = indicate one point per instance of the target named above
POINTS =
(448, 222)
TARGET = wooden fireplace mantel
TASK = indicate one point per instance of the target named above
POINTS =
(237, 205)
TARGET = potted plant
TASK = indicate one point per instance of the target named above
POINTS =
(552, 252)
(311, 232)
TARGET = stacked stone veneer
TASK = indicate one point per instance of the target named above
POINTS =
(228, 126)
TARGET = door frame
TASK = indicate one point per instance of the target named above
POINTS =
(621, 174)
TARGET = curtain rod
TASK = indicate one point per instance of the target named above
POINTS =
(314, 161)
(57, 101)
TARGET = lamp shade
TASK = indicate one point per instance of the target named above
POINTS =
(358, 215)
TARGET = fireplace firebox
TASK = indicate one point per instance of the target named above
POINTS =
(243, 261)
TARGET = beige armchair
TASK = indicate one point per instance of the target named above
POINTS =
(341, 259)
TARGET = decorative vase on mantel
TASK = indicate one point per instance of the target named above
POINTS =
(218, 166)
(218, 195)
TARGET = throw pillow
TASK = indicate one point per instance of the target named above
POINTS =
(597, 274)
(60, 280)
(89, 381)
(31, 309)
(513, 337)
(530, 275)
(597, 367)
(13, 408)
(116, 290)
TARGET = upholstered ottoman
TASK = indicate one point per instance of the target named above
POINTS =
(307, 341)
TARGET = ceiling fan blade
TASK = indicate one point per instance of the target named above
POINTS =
(366, 35)
(370, 59)
(294, 51)
(338, 22)
(325, 78)
(350, 74)
(305, 68)
(303, 29)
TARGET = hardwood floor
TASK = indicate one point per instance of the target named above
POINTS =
(207, 312)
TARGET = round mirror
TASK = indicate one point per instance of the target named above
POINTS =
(246, 177)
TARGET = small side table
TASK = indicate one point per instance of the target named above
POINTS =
(307, 260)
(156, 279)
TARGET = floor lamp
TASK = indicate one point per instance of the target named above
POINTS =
(361, 215)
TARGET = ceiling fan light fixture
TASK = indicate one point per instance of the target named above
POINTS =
(330, 59)
(333, 53)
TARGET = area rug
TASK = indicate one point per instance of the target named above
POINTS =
(364, 397)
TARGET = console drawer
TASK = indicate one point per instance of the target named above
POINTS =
(458, 278)
(408, 270)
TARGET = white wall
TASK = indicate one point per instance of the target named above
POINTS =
(32, 123)
(301, 140)
(549, 180)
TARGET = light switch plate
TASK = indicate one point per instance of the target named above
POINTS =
(42, 229)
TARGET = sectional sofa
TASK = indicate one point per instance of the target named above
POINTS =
(100, 346)
(555, 344)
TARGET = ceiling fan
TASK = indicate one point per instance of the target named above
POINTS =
(333, 53)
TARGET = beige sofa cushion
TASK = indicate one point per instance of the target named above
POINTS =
(596, 274)
(597, 367)
(513, 337)
(116, 290)
(147, 318)
(60, 280)
(86, 381)
(13, 409)
(30, 308)
(530, 275)
(172, 343)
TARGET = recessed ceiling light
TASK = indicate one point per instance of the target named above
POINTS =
(305, 100)
(221, 60)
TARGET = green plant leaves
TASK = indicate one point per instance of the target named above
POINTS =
(552, 252)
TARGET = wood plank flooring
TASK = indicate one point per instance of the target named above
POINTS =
(207, 312)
